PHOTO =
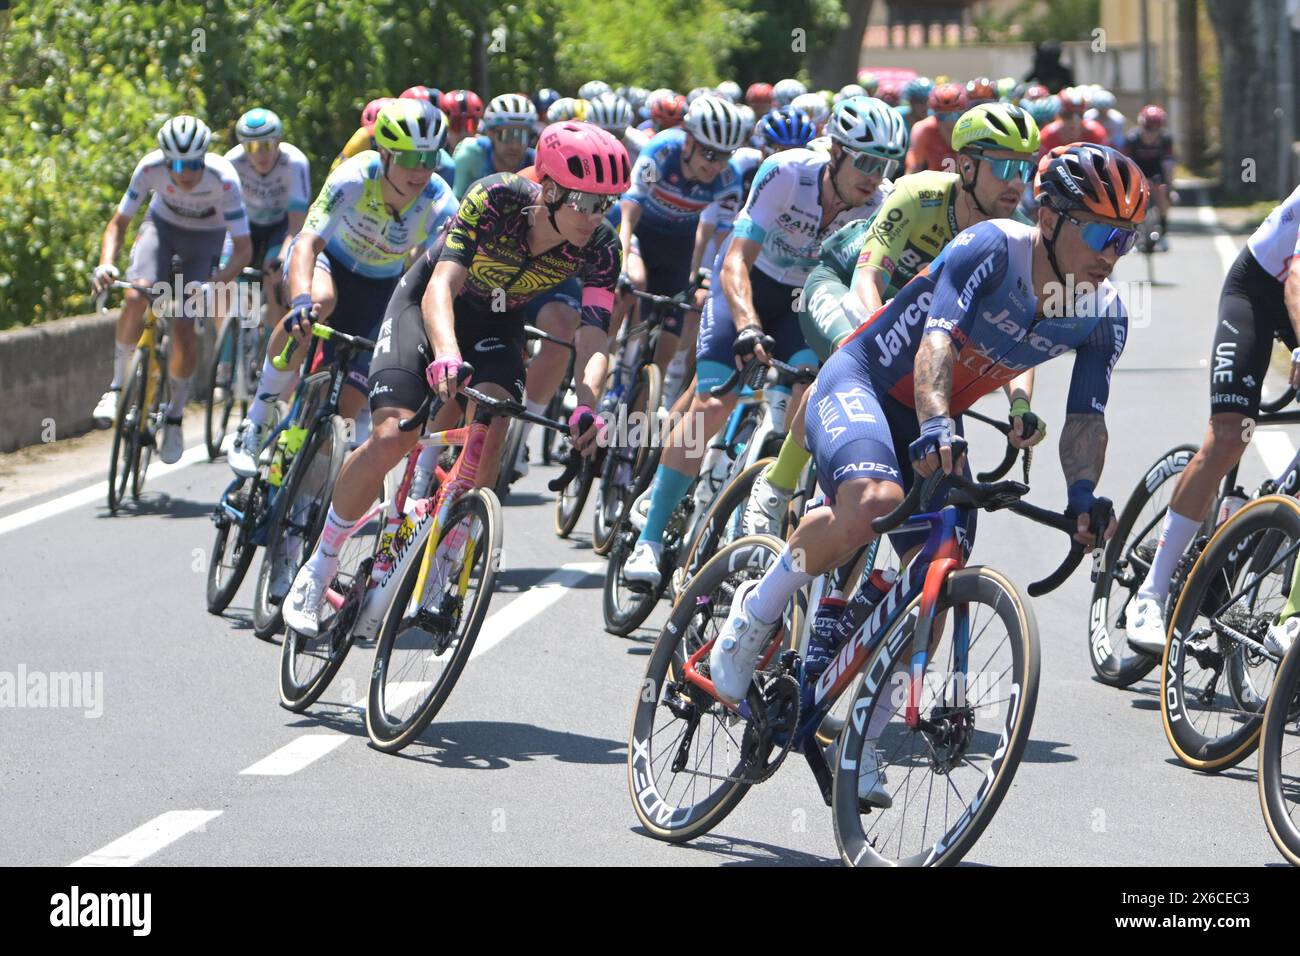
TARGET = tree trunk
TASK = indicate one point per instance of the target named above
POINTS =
(837, 64)
(1191, 131)
(1246, 31)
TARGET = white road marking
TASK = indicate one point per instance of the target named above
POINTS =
(293, 756)
(95, 493)
(144, 841)
(533, 602)
(1223, 243)
(1275, 448)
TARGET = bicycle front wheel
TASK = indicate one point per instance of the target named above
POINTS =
(573, 498)
(1213, 686)
(233, 549)
(946, 776)
(126, 432)
(429, 634)
(1279, 760)
(221, 375)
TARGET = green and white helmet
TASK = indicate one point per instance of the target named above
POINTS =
(868, 125)
(407, 126)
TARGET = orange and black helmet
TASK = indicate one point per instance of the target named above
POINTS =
(981, 90)
(1095, 179)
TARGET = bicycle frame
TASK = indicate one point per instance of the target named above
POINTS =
(944, 552)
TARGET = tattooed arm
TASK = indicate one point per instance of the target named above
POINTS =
(1083, 447)
(932, 373)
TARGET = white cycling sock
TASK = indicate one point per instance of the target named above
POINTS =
(325, 559)
(121, 356)
(775, 588)
(271, 384)
(536, 408)
(1175, 535)
(180, 394)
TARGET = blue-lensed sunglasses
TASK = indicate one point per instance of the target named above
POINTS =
(1099, 235)
(1008, 169)
(186, 165)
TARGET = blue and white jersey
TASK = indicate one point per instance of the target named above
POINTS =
(670, 203)
(979, 292)
(215, 202)
(285, 189)
(783, 213)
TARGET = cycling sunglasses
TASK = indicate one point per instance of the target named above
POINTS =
(513, 135)
(1099, 235)
(186, 165)
(587, 203)
(1008, 169)
(417, 159)
(716, 155)
(261, 146)
(870, 165)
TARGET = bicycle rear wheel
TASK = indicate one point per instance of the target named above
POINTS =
(951, 772)
(233, 548)
(573, 498)
(1279, 760)
(722, 523)
(690, 760)
(221, 375)
(297, 519)
(628, 467)
(126, 432)
(1214, 687)
(428, 637)
(509, 455)
(153, 420)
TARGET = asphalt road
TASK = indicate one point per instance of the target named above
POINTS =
(527, 762)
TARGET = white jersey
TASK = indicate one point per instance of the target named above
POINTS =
(1113, 122)
(285, 189)
(783, 213)
(1273, 244)
(217, 202)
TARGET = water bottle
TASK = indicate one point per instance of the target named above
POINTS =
(1232, 503)
(827, 633)
(860, 608)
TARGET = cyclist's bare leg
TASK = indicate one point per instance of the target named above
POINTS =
(546, 370)
(688, 440)
(1198, 486)
(827, 537)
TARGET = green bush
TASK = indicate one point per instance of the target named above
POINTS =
(89, 85)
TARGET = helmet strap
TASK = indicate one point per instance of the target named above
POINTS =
(1050, 244)
(388, 159)
(969, 189)
(833, 170)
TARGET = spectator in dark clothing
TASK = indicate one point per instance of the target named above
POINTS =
(1048, 68)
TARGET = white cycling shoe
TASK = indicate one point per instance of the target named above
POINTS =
(248, 442)
(736, 651)
(173, 442)
(766, 507)
(871, 777)
(642, 565)
(1146, 627)
(1280, 637)
(105, 413)
(302, 605)
(639, 513)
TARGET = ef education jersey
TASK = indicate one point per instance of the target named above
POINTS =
(979, 292)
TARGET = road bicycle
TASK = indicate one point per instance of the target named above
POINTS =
(633, 402)
(236, 364)
(146, 391)
(946, 667)
(1132, 549)
(1279, 759)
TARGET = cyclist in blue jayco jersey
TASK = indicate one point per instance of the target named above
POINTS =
(994, 303)
(799, 198)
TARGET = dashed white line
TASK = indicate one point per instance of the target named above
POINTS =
(1223, 244)
(295, 755)
(144, 841)
(96, 492)
(532, 602)
(1275, 448)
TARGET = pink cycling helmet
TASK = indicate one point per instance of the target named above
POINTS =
(371, 112)
(583, 157)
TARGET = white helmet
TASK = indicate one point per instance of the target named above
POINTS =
(184, 137)
(715, 123)
(729, 89)
(509, 109)
(610, 112)
(636, 96)
(813, 105)
(852, 89)
(696, 93)
(1103, 100)
(747, 114)
(866, 124)
(785, 91)
(592, 89)
(258, 124)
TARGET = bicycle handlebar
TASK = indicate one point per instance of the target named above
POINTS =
(1005, 495)
(281, 361)
(533, 332)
